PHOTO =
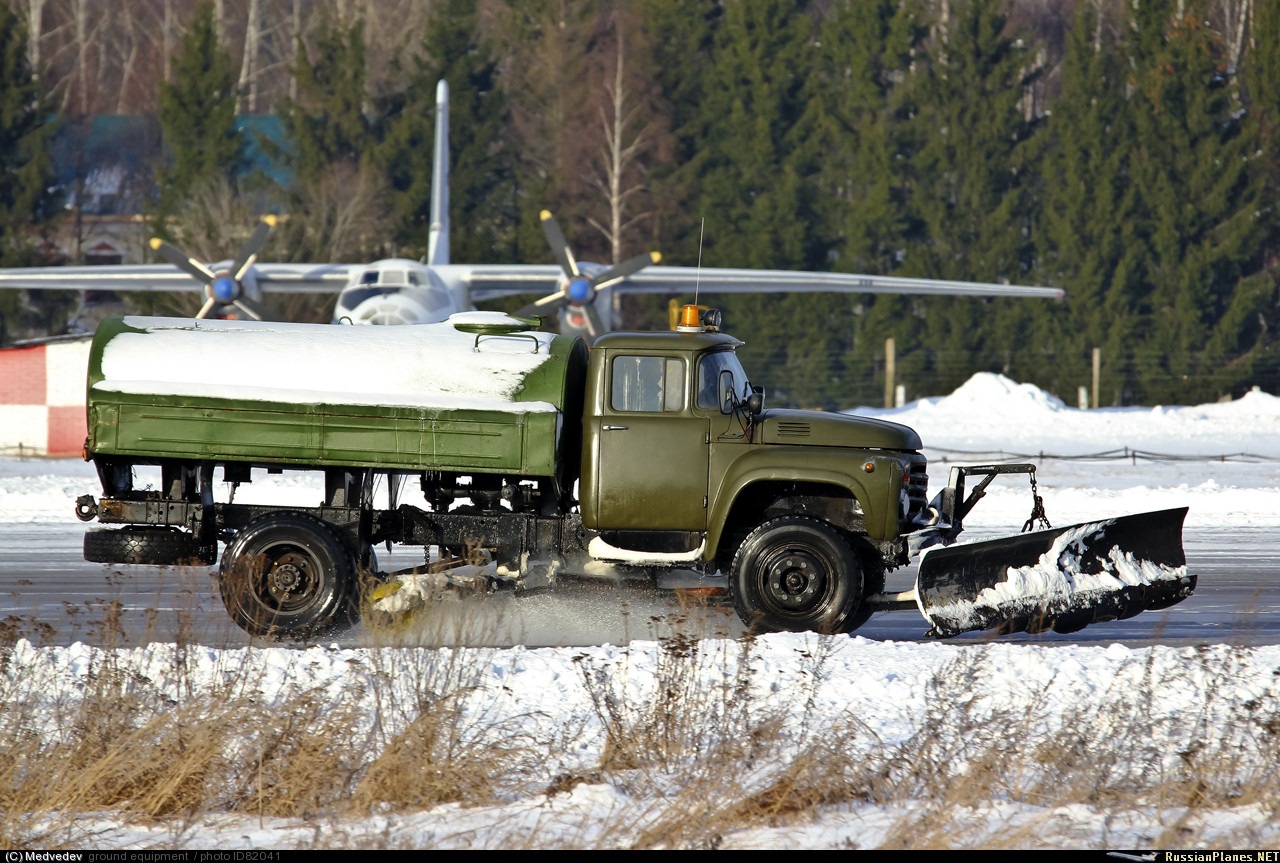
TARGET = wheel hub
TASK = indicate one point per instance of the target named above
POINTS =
(793, 580)
(287, 579)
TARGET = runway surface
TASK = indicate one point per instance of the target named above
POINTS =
(50, 595)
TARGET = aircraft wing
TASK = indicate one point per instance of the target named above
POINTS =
(661, 280)
(490, 282)
(271, 278)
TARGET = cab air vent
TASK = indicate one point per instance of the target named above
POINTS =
(793, 429)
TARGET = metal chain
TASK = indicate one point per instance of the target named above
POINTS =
(1037, 509)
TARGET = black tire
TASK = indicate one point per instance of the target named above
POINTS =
(873, 582)
(367, 561)
(153, 546)
(368, 579)
(796, 574)
(289, 576)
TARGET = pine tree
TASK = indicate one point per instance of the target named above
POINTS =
(333, 128)
(971, 186)
(327, 123)
(849, 133)
(482, 198)
(1197, 172)
(197, 114)
(853, 133)
(1261, 77)
(968, 185)
(26, 183)
(681, 34)
(750, 189)
(1087, 211)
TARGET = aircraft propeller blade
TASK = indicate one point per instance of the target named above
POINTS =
(225, 288)
(540, 306)
(190, 266)
(559, 246)
(252, 309)
(249, 253)
(579, 291)
(629, 267)
(595, 327)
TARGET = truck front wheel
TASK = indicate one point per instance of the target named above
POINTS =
(796, 574)
(288, 575)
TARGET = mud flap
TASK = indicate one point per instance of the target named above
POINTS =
(1061, 579)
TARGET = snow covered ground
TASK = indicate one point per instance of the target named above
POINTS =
(1221, 460)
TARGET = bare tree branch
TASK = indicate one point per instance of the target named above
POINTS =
(618, 157)
(35, 25)
(1231, 18)
(247, 85)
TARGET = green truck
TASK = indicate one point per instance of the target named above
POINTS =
(646, 454)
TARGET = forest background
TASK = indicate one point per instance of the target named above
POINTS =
(1124, 150)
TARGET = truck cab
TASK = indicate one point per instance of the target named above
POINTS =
(652, 415)
(679, 455)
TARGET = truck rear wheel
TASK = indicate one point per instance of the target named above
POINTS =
(796, 574)
(154, 546)
(288, 575)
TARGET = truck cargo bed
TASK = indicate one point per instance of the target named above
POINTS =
(321, 434)
(320, 395)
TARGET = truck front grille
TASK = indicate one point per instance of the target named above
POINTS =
(918, 488)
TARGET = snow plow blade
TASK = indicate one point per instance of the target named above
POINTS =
(1062, 579)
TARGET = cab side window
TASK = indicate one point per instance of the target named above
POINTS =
(651, 384)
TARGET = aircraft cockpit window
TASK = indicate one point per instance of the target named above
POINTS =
(415, 278)
(353, 297)
(369, 277)
(394, 277)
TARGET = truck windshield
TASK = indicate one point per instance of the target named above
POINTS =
(709, 368)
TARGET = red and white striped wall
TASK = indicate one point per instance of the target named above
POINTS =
(42, 387)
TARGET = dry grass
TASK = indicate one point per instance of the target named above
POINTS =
(700, 747)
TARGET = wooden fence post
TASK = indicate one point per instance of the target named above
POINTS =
(1097, 367)
(888, 372)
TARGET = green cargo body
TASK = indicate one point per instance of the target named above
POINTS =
(515, 429)
(323, 434)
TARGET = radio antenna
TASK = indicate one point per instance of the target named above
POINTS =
(697, 280)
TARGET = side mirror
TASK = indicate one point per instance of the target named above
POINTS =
(755, 401)
(724, 391)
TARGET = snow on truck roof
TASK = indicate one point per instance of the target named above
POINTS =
(413, 365)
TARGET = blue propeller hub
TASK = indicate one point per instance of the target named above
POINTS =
(225, 289)
(579, 289)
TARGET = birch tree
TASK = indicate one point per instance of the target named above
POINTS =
(629, 132)
(247, 84)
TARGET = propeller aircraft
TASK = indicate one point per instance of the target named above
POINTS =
(404, 291)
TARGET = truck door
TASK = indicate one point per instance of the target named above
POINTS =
(653, 451)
